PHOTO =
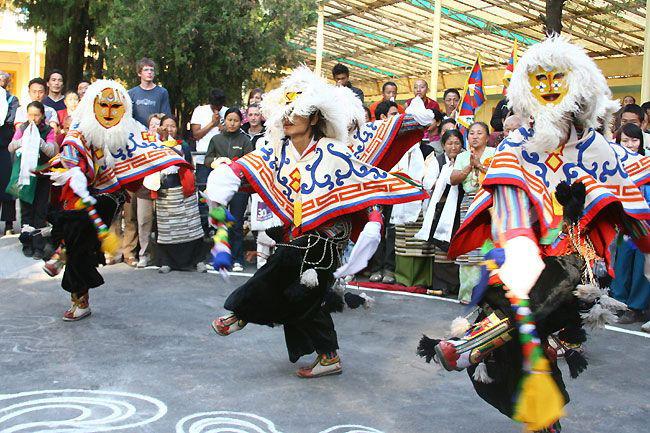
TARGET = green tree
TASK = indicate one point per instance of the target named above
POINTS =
(199, 45)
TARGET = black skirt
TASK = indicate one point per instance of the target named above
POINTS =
(554, 306)
(274, 295)
(82, 246)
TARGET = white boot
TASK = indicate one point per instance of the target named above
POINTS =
(324, 365)
(79, 309)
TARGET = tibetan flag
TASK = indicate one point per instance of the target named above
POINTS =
(510, 67)
(473, 97)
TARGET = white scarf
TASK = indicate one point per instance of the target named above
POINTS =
(446, 222)
(29, 149)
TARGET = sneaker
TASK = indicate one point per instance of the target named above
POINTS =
(324, 365)
(646, 327)
(53, 267)
(143, 262)
(376, 277)
(38, 255)
(226, 325)
(28, 251)
(201, 267)
(237, 267)
(164, 269)
(389, 278)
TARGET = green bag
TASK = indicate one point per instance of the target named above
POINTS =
(23, 192)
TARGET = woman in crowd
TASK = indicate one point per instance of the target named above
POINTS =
(630, 285)
(254, 98)
(226, 147)
(430, 144)
(442, 217)
(34, 144)
(71, 101)
(179, 244)
(469, 170)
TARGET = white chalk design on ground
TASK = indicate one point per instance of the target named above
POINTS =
(225, 421)
(351, 429)
(243, 422)
(13, 341)
(77, 411)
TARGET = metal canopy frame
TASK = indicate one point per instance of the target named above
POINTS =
(383, 39)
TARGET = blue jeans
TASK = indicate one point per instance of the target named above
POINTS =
(237, 207)
(630, 285)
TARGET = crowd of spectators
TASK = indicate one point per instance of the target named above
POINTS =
(450, 167)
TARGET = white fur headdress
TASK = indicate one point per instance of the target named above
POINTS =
(303, 93)
(85, 121)
(589, 99)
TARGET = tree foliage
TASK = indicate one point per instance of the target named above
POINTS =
(200, 45)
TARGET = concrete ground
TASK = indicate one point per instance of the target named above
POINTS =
(148, 361)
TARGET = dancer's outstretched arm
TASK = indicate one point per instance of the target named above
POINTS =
(365, 246)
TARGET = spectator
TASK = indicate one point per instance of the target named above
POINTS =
(634, 114)
(431, 141)
(511, 123)
(71, 101)
(254, 128)
(630, 285)
(179, 239)
(153, 123)
(255, 96)
(501, 111)
(82, 87)
(388, 93)
(421, 88)
(447, 124)
(469, 170)
(386, 109)
(628, 100)
(36, 89)
(54, 98)
(631, 137)
(451, 98)
(341, 75)
(646, 111)
(148, 98)
(34, 144)
(206, 123)
(225, 148)
(442, 217)
(7, 116)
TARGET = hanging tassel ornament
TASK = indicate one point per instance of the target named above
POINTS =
(110, 242)
(222, 219)
(539, 402)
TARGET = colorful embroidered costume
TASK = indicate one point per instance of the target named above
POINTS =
(551, 201)
(324, 195)
(104, 152)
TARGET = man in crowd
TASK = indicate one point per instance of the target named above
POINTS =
(421, 88)
(148, 98)
(7, 201)
(36, 89)
(386, 109)
(451, 98)
(388, 93)
(206, 122)
(341, 75)
(82, 87)
(628, 100)
(254, 127)
(55, 94)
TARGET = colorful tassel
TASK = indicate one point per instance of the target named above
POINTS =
(539, 402)
(110, 242)
(222, 219)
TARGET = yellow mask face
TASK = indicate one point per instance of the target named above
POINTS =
(548, 87)
(109, 109)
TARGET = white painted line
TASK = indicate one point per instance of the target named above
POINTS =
(232, 274)
(415, 295)
(627, 331)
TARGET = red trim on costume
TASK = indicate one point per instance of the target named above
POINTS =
(527, 232)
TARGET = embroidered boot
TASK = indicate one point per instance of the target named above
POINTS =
(79, 309)
(325, 364)
(226, 325)
(479, 340)
(53, 266)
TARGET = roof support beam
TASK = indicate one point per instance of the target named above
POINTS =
(435, 48)
(645, 75)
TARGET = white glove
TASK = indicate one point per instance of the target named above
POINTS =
(522, 267)
(362, 251)
(219, 161)
(421, 115)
